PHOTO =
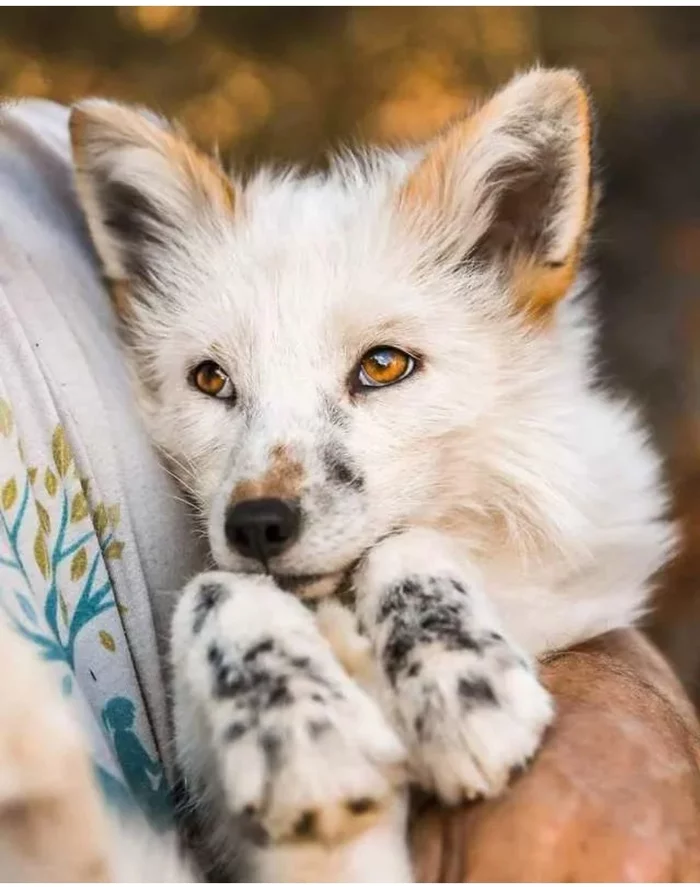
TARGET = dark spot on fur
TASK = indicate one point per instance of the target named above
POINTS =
(445, 626)
(335, 414)
(419, 725)
(209, 596)
(340, 469)
(414, 669)
(271, 744)
(264, 646)
(475, 692)
(305, 826)
(279, 694)
(256, 688)
(423, 611)
(306, 667)
(393, 600)
(396, 651)
(235, 731)
(214, 654)
(318, 727)
(317, 697)
(358, 806)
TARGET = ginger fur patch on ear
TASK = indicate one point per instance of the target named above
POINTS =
(511, 183)
(142, 184)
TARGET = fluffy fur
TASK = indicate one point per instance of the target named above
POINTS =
(491, 507)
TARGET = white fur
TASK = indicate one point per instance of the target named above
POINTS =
(543, 488)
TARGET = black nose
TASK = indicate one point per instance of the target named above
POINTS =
(262, 528)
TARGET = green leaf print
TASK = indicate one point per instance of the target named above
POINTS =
(114, 550)
(44, 518)
(78, 565)
(6, 423)
(61, 451)
(114, 515)
(41, 554)
(78, 508)
(8, 495)
(50, 482)
(100, 519)
(107, 641)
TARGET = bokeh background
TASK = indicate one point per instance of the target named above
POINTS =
(290, 83)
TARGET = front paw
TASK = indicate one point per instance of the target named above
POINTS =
(319, 767)
(466, 701)
(471, 721)
(299, 752)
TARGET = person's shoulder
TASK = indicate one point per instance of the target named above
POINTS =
(41, 116)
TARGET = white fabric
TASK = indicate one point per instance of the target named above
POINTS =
(66, 409)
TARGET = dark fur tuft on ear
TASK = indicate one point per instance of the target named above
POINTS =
(143, 187)
(512, 184)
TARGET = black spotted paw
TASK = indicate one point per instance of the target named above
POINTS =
(470, 729)
(297, 748)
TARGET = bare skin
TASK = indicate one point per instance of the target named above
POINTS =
(614, 794)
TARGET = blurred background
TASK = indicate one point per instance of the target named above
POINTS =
(288, 84)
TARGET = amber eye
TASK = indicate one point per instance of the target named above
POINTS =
(210, 379)
(384, 366)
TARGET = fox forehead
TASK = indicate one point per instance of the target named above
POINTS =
(300, 279)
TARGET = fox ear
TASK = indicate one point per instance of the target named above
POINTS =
(512, 184)
(144, 190)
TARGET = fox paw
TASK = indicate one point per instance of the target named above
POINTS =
(300, 751)
(469, 729)
(467, 703)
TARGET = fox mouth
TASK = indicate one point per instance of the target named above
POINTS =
(310, 586)
(294, 582)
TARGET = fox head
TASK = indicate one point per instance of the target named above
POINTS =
(327, 360)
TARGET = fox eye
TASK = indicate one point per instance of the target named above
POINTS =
(210, 379)
(384, 366)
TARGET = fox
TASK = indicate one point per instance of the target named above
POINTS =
(377, 385)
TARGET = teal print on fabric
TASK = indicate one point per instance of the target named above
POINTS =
(51, 551)
(56, 589)
(115, 792)
(143, 775)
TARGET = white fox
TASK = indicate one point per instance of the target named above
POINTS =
(377, 384)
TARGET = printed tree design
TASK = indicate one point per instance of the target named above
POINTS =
(58, 550)
(66, 611)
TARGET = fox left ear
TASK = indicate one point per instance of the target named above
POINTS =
(146, 192)
(512, 184)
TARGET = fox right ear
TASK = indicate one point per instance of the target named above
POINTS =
(511, 185)
(143, 188)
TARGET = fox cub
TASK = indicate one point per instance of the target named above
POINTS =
(376, 385)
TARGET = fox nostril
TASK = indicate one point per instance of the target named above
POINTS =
(276, 535)
(262, 528)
